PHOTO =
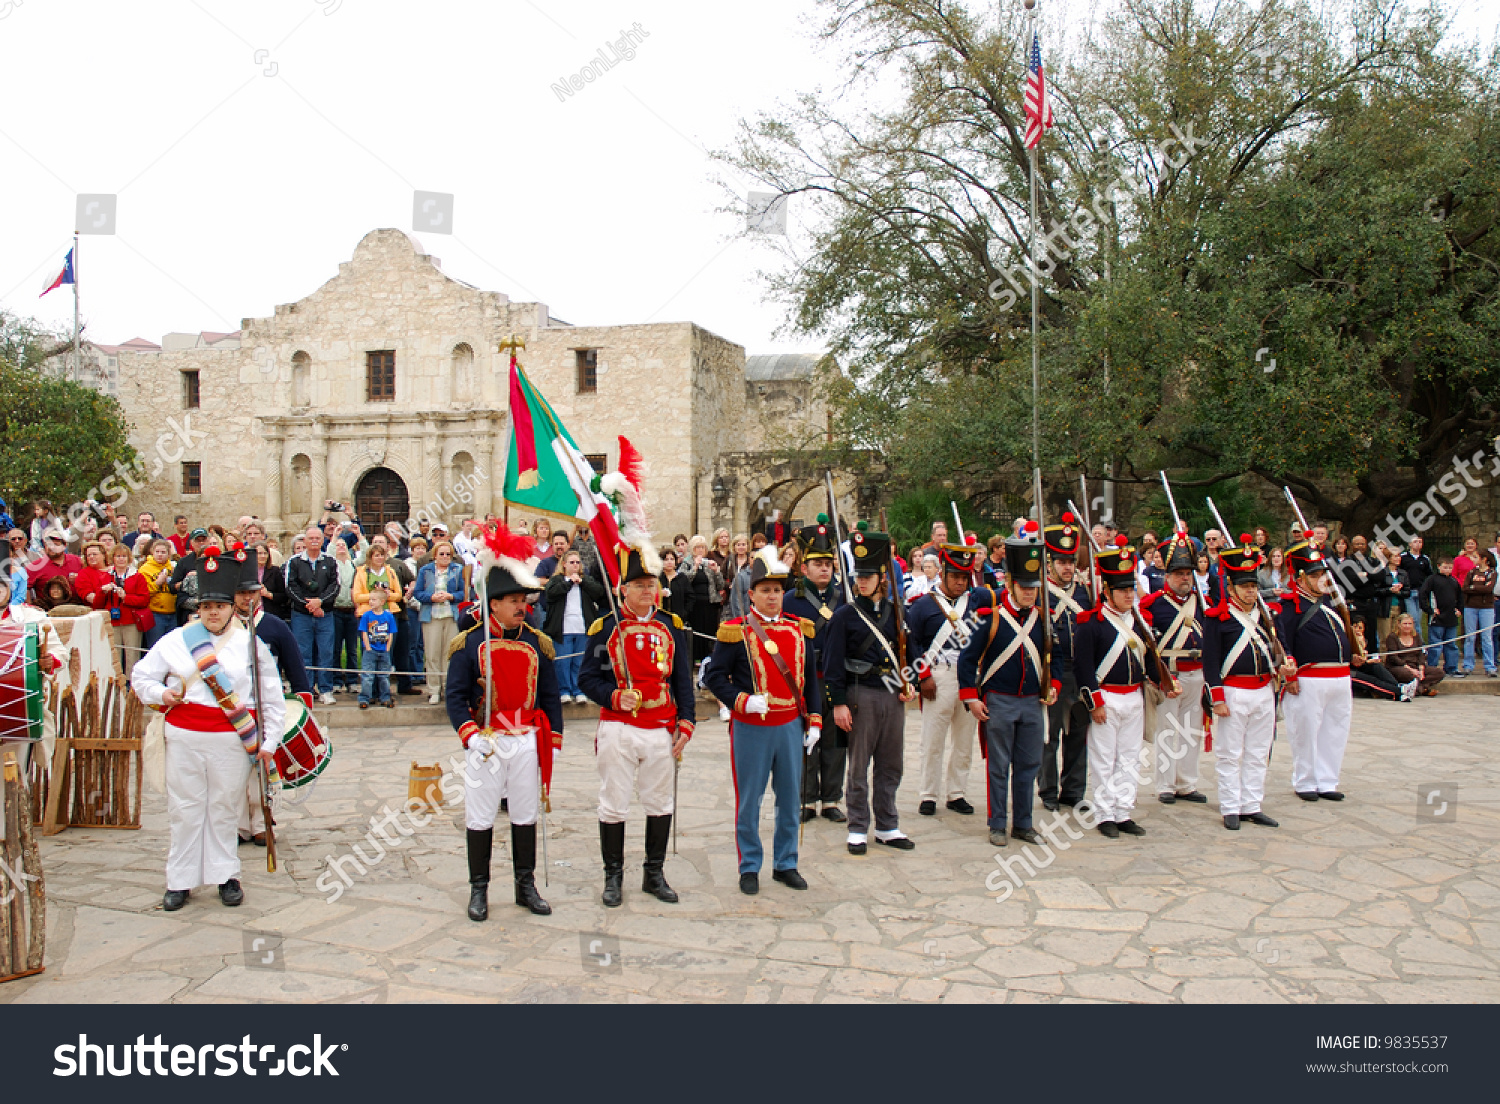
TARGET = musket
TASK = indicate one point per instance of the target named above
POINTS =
(1278, 654)
(1356, 642)
(1088, 531)
(1045, 686)
(1177, 526)
(260, 741)
(897, 603)
(838, 537)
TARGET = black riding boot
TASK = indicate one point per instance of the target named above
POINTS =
(523, 857)
(480, 844)
(658, 831)
(612, 848)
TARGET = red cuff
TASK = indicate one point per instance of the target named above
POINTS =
(1217, 694)
(467, 731)
(968, 693)
(48, 664)
(685, 727)
(1056, 687)
(1096, 698)
(923, 671)
(740, 701)
(614, 702)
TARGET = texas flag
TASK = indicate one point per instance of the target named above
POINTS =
(63, 277)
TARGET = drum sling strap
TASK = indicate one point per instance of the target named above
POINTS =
(196, 636)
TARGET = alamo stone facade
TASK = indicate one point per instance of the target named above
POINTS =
(387, 389)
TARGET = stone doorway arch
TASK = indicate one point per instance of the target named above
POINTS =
(381, 498)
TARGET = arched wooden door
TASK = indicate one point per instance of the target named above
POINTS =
(381, 498)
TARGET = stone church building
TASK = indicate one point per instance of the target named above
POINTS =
(387, 387)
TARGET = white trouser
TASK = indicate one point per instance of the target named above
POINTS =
(1317, 722)
(629, 757)
(1115, 755)
(510, 773)
(1242, 748)
(1179, 735)
(945, 722)
(205, 789)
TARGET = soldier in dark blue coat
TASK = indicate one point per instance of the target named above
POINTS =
(1000, 682)
(815, 596)
(1175, 614)
(864, 679)
(941, 623)
(1068, 717)
(1112, 660)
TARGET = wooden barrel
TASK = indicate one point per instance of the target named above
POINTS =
(424, 786)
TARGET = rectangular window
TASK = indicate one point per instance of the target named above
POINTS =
(380, 376)
(190, 390)
(597, 461)
(192, 477)
(587, 361)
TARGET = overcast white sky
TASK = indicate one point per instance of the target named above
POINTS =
(240, 188)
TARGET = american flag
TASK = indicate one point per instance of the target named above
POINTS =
(1038, 106)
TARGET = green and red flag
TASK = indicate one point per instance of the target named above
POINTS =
(546, 473)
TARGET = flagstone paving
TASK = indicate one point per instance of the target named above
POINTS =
(1372, 900)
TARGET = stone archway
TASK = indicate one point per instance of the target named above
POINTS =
(380, 498)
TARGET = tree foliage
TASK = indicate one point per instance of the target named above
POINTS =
(1330, 198)
(58, 439)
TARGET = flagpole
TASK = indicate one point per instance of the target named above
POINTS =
(77, 352)
(1036, 373)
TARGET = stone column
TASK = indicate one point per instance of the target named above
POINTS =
(275, 504)
(432, 466)
(484, 466)
(319, 458)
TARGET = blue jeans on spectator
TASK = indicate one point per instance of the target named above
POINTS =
(375, 677)
(165, 623)
(314, 636)
(1482, 622)
(570, 661)
(345, 647)
(1413, 605)
(1441, 648)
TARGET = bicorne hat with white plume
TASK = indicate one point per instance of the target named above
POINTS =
(625, 489)
(503, 554)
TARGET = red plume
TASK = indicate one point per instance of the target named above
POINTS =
(1245, 538)
(1122, 540)
(1067, 518)
(631, 463)
(503, 541)
(1307, 534)
(1031, 526)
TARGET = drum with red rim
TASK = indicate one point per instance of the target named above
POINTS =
(304, 750)
(20, 682)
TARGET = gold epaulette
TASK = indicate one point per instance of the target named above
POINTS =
(596, 626)
(457, 642)
(543, 642)
(809, 630)
(676, 621)
(730, 633)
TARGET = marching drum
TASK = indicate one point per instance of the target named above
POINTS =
(304, 750)
(20, 682)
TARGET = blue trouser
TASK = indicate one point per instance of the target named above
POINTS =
(375, 679)
(1441, 648)
(165, 623)
(345, 645)
(314, 636)
(569, 661)
(759, 753)
(1482, 623)
(1014, 736)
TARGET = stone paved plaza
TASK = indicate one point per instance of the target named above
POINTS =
(1354, 902)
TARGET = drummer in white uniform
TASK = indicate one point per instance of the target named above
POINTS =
(200, 674)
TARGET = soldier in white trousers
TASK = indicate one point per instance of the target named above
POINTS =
(1174, 614)
(939, 626)
(201, 675)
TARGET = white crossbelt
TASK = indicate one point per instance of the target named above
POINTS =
(1124, 635)
(1249, 633)
(880, 636)
(953, 612)
(1064, 597)
(1177, 633)
(1022, 638)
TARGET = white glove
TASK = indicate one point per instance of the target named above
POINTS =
(485, 745)
(810, 741)
(757, 703)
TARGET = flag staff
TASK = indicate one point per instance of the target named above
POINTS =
(1036, 372)
(77, 352)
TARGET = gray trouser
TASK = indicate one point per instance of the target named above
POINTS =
(1068, 732)
(878, 737)
(1013, 738)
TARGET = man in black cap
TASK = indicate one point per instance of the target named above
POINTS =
(1000, 682)
(1175, 617)
(1240, 667)
(201, 676)
(940, 627)
(864, 679)
(638, 668)
(503, 699)
(183, 581)
(1068, 716)
(1319, 699)
(762, 670)
(815, 596)
(1112, 660)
